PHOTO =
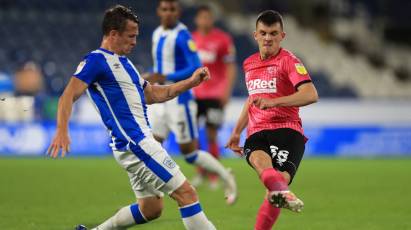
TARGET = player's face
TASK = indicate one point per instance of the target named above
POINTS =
(269, 38)
(169, 13)
(204, 20)
(126, 40)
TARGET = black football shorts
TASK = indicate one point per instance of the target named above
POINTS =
(212, 111)
(285, 147)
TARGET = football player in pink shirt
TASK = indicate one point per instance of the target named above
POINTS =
(217, 52)
(278, 84)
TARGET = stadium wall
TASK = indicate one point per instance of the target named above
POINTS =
(334, 128)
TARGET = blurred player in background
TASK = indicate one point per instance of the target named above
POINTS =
(175, 59)
(217, 52)
(120, 96)
(278, 84)
(28, 81)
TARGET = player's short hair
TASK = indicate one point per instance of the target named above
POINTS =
(115, 18)
(205, 8)
(168, 1)
(269, 17)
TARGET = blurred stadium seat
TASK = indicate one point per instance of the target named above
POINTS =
(56, 33)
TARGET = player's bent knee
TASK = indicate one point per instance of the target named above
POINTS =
(153, 214)
(260, 161)
(151, 208)
(185, 194)
(188, 148)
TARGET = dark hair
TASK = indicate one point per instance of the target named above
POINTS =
(269, 17)
(115, 18)
(167, 1)
(203, 8)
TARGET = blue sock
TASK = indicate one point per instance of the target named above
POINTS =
(137, 215)
(194, 217)
(190, 210)
(191, 157)
(125, 217)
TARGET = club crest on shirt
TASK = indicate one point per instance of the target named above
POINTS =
(169, 162)
(300, 69)
(271, 70)
(80, 67)
(192, 45)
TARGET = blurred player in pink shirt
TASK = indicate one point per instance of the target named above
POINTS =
(217, 52)
(278, 84)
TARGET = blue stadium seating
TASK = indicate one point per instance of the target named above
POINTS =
(56, 34)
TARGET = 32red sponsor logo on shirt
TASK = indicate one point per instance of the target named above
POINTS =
(262, 86)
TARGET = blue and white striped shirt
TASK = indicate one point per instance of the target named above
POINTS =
(175, 54)
(117, 90)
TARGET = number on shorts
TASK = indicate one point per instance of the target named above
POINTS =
(182, 125)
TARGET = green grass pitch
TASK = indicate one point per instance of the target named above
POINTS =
(344, 194)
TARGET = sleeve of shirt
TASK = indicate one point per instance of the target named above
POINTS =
(228, 50)
(90, 68)
(143, 82)
(297, 73)
(189, 50)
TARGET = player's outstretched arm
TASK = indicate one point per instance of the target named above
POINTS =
(306, 94)
(61, 139)
(154, 78)
(234, 140)
(162, 93)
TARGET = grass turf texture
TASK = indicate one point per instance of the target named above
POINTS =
(338, 194)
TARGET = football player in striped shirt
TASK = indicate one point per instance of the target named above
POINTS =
(120, 96)
(175, 58)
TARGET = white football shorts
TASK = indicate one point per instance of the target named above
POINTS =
(179, 118)
(151, 170)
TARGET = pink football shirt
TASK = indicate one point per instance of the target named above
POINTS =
(215, 50)
(274, 77)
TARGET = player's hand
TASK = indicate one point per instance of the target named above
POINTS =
(61, 141)
(263, 103)
(201, 74)
(154, 78)
(233, 144)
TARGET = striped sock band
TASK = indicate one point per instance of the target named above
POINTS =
(137, 215)
(190, 210)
